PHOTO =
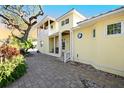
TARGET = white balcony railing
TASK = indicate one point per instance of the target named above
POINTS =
(66, 56)
(47, 32)
(51, 32)
(43, 33)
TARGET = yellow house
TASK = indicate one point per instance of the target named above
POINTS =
(98, 40)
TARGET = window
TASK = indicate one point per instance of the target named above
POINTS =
(79, 35)
(63, 44)
(62, 23)
(114, 29)
(67, 21)
(94, 33)
(51, 26)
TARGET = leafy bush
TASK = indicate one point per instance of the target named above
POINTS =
(12, 70)
(8, 51)
(23, 44)
(26, 45)
(12, 67)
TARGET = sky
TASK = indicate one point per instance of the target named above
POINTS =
(86, 10)
(56, 11)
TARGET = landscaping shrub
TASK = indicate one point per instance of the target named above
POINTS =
(24, 45)
(12, 67)
(8, 51)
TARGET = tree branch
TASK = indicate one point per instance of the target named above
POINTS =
(34, 23)
(10, 23)
(25, 21)
(17, 13)
(15, 36)
(12, 11)
(38, 14)
(17, 17)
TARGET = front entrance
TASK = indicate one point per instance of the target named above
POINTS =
(60, 45)
(65, 46)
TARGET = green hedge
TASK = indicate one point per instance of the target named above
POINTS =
(10, 70)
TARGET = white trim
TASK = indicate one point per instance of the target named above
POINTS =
(49, 26)
(112, 35)
(104, 15)
(54, 44)
(71, 11)
(52, 54)
(122, 28)
(71, 45)
(61, 17)
(60, 44)
(70, 37)
(96, 19)
(79, 14)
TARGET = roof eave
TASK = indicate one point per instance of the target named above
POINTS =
(99, 17)
(67, 13)
(96, 19)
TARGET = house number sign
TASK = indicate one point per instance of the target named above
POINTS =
(80, 35)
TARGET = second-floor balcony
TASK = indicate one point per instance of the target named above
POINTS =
(48, 25)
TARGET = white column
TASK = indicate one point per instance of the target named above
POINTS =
(71, 45)
(60, 44)
(54, 44)
(38, 38)
(49, 28)
(37, 31)
(43, 26)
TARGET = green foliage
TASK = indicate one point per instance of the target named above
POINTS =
(23, 44)
(10, 70)
(27, 44)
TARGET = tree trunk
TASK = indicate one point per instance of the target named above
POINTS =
(25, 37)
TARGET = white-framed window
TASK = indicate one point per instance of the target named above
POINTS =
(64, 22)
(51, 26)
(115, 28)
(67, 21)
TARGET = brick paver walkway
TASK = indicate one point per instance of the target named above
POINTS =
(47, 71)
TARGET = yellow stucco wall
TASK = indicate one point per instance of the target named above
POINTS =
(45, 47)
(66, 26)
(55, 27)
(103, 52)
